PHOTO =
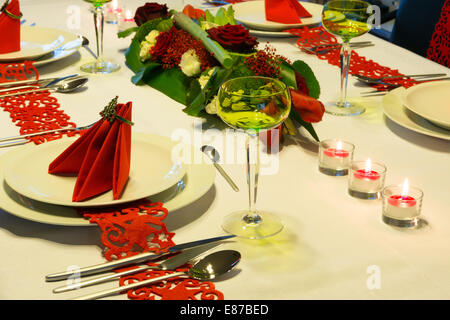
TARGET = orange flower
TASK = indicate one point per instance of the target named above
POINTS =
(310, 110)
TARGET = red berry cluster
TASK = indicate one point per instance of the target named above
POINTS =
(265, 62)
(171, 45)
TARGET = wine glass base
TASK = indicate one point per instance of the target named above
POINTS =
(344, 109)
(265, 226)
(100, 67)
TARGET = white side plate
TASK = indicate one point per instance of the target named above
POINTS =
(431, 100)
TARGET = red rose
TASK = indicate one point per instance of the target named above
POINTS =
(233, 37)
(162, 44)
(310, 109)
(149, 11)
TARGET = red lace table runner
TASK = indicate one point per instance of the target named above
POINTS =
(310, 37)
(125, 230)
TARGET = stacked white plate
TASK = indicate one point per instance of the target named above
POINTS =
(27, 189)
(252, 15)
(43, 45)
(423, 108)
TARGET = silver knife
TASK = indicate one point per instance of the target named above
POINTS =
(139, 258)
(44, 82)
(169, 264)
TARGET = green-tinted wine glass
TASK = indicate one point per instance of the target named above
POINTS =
(346, 19)
(253, 104)
(99, 65)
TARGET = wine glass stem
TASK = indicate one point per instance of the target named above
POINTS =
(345, 63)
(99, 23)
(252, 148)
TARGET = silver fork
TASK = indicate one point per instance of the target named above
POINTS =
(21, 139)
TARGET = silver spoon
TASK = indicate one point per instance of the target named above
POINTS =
(62, 87)
(213, 154)
(208, 268)
(85, 44)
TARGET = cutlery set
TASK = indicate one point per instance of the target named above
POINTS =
(207, 268)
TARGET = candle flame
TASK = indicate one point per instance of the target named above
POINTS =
(339, 145)
(114, 4)
(405, 188)
(368, 165)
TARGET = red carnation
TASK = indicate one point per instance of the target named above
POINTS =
(162, 44)
(233, 37)
(310, 109)
(149, 11)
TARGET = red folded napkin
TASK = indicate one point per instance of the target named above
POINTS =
(285, 11)
(10, 27)
(101, 156)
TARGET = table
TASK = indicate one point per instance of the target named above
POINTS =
(333, 246)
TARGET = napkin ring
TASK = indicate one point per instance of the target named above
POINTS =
(9, 14)
(110, 114)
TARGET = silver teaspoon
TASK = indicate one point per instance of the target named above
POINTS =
(213, 154)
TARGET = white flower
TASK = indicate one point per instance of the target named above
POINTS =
(151, 37)
(211, 107)
(147, 44)
(144, 54)
(204, 78)
(190, 63)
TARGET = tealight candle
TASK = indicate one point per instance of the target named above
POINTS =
(335, 157)
(402, 205)
(127, 21)
(113, 12)
(366, 179)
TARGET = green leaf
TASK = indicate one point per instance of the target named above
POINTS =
(164, 25)
(311, 81)
(172, 82)
(308, 126)
(230, 15)
(127, 32)
(221, 18)
(209, 16)
(287, 75)
(145, 29)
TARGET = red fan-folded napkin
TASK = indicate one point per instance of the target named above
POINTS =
(285, 11)
(100, 157)
(10, 27)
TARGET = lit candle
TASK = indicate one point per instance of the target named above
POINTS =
(335, 157)
(403, 208)
(368, 182)
(127, 21)
(113, 12)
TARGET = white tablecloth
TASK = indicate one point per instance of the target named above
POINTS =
(332, 245)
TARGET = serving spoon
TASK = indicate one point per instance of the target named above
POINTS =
(208, 268)
(64, 86)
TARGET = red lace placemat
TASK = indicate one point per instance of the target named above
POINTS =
(310, 37)
(126, 230)
(439, 49)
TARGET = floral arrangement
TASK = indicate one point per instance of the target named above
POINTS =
(188, 55)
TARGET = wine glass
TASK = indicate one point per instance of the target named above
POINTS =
(346, 19)
(253, 104)
(99, 65)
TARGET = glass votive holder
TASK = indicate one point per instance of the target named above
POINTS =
(335, 157)
(402, 209)
(126, 21)
(112, 12)
(366, 179)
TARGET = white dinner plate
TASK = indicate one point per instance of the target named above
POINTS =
(151, 171)
(430, 100)
(394, 110)
(71, 45)
(35, 42)
(198, 179)
(252, 14)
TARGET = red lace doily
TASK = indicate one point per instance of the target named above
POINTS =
(439, 49)
(125, 230)
(33, 112)
(310, 37)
